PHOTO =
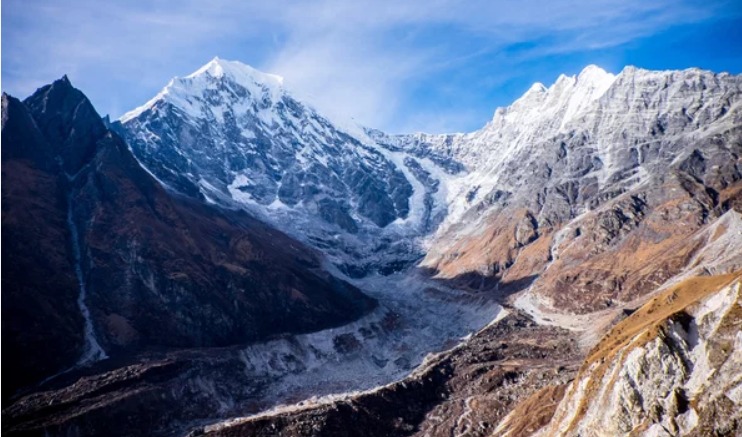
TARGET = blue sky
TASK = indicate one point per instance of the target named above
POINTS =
(402, 66)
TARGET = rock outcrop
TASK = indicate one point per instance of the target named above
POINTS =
(672, 368)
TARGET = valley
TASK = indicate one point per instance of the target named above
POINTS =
(231, 262)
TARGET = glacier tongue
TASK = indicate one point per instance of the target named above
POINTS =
(415, 318)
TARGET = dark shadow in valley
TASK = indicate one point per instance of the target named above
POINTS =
(479, 285)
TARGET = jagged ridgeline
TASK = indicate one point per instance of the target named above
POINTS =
(230, 249)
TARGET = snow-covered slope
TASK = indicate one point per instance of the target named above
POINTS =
(599, 132)
(591, 190)
(237, 137)
(372, 201)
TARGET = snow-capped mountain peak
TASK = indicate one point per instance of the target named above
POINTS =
(582, 130)
(535, 89)
(237, 71)
(199, 90)
(593, 71)
(235, 136)
(560, 102)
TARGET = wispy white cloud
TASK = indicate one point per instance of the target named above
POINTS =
(362, 58)
(377, 61)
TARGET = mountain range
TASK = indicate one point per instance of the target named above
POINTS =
(227, 260)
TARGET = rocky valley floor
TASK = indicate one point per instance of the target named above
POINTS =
(202, 385)
(670, 367)
(464, 391)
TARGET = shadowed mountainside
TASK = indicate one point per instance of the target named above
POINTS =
(80, 215)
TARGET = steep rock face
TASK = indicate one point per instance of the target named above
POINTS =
(236, 136)
(136, 267)
(42, 325)
(594, 169)
(670, 369)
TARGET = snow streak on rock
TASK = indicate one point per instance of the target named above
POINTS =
(92, 351)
